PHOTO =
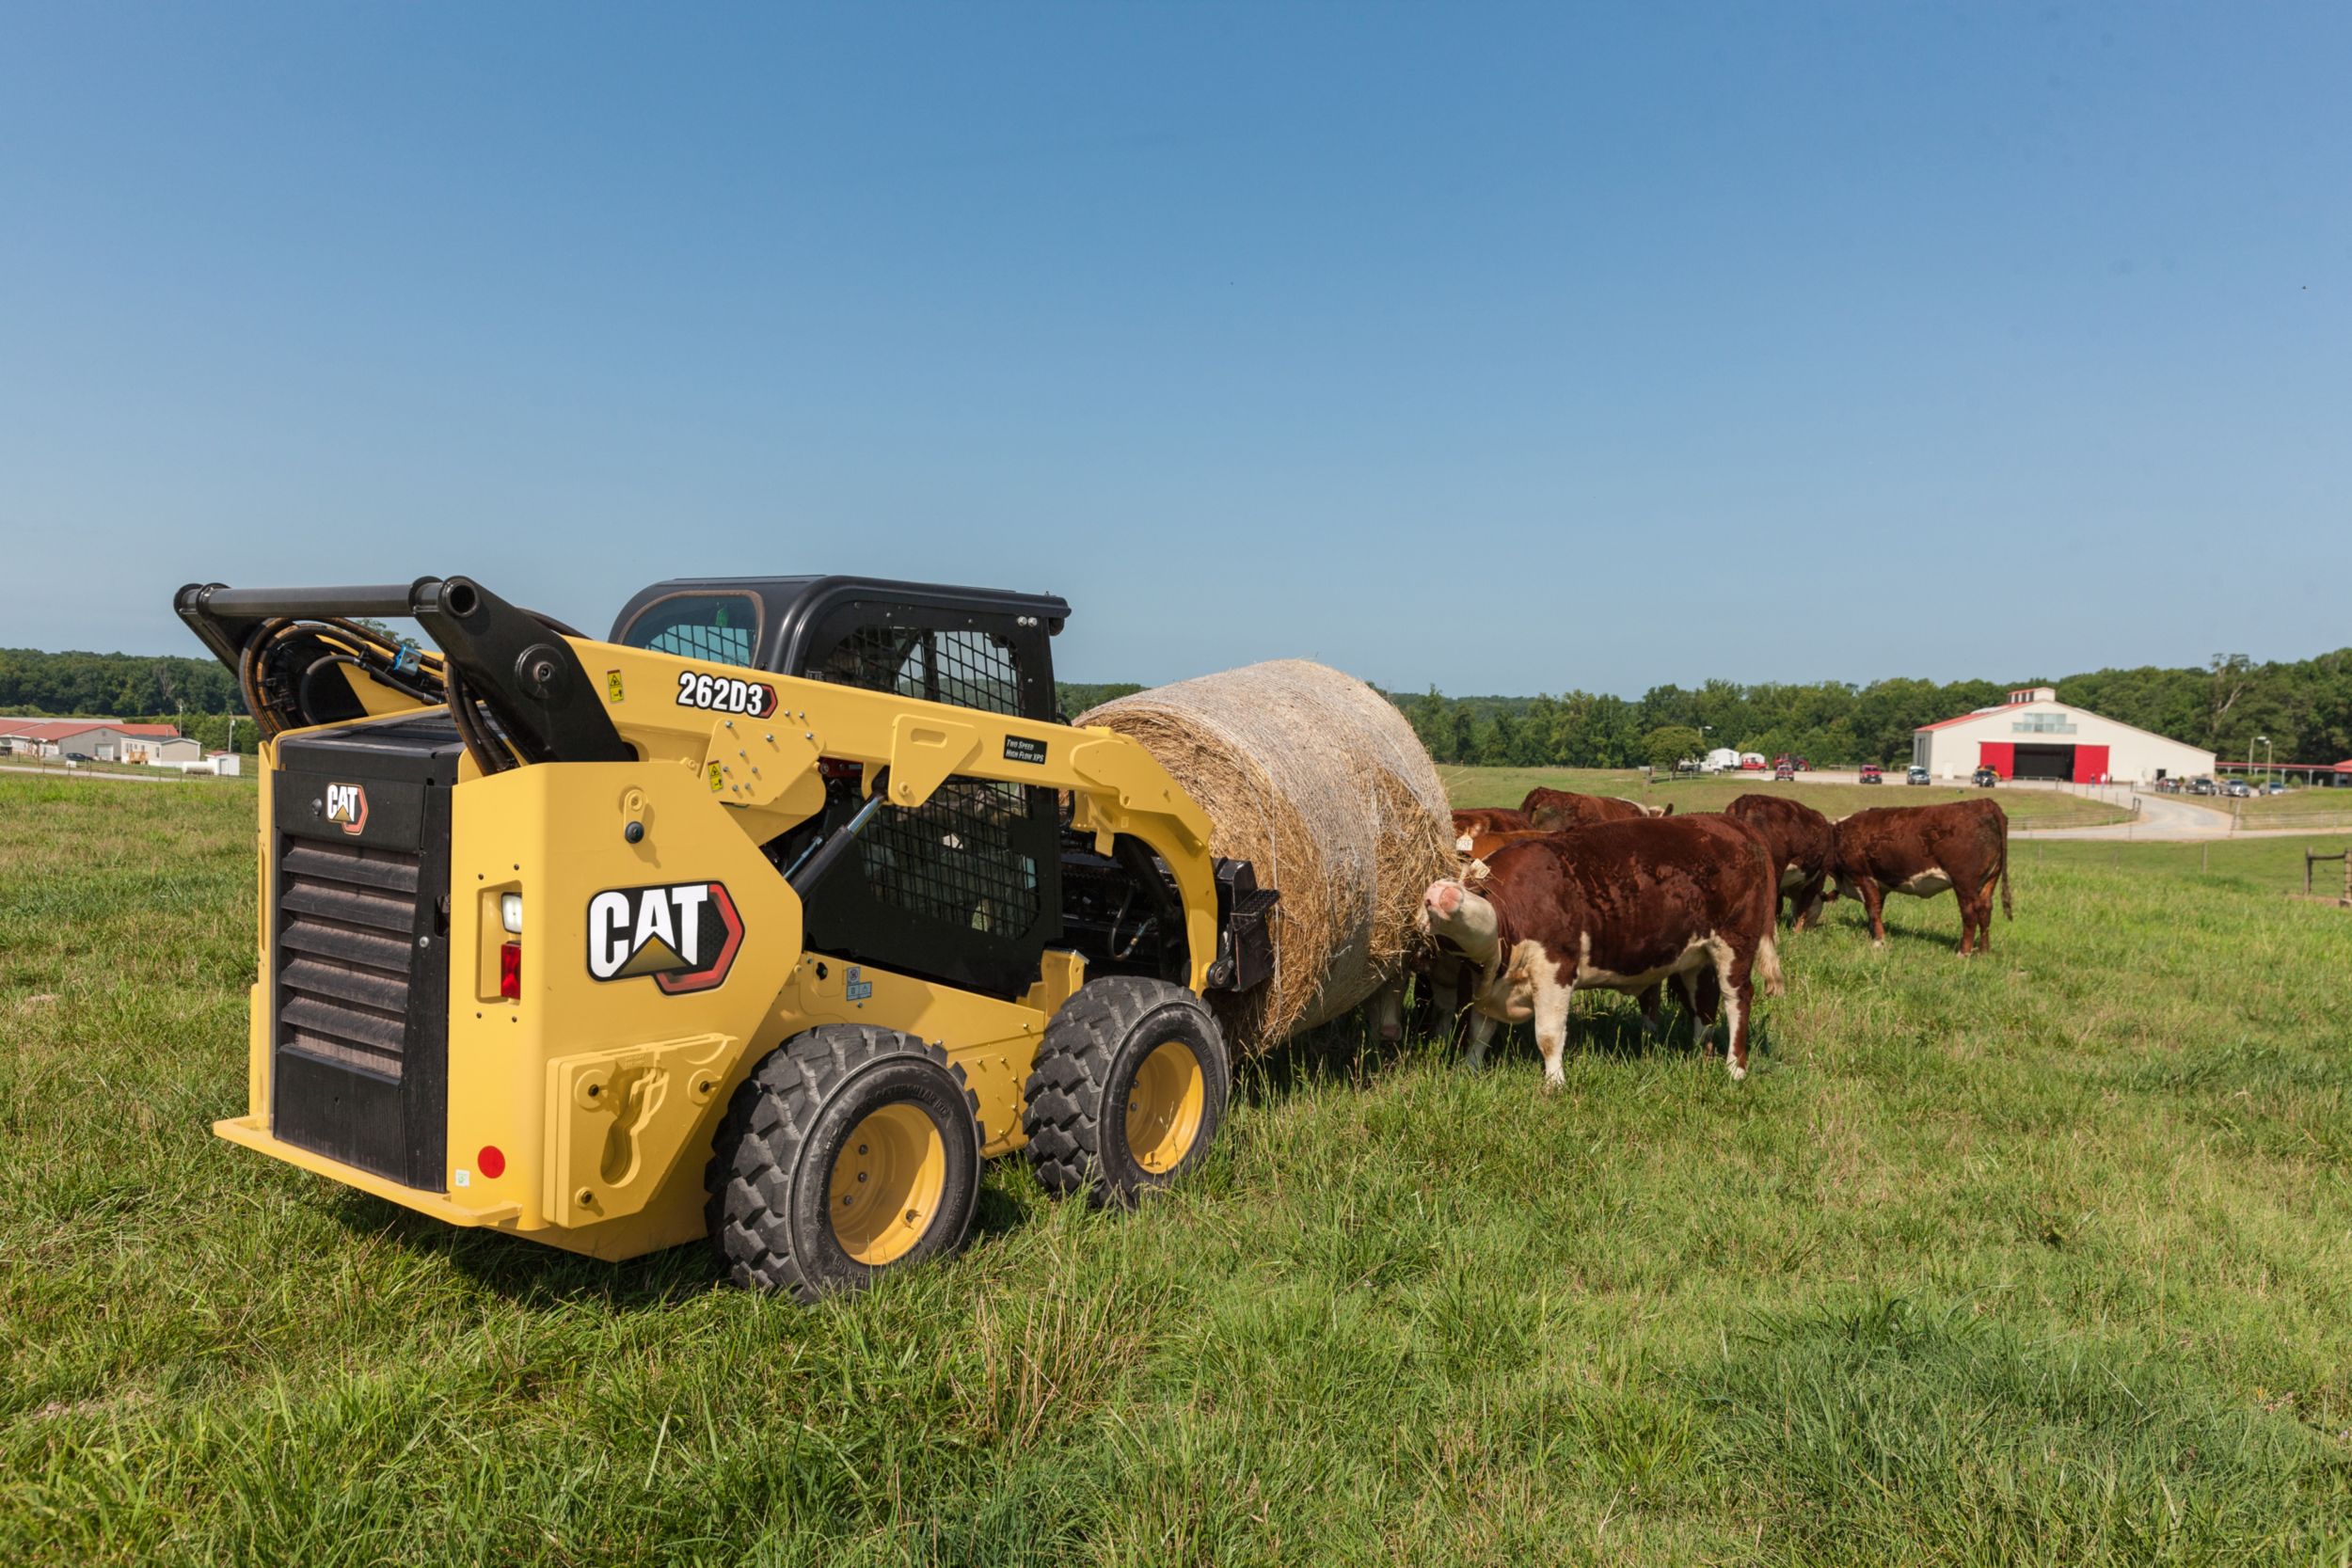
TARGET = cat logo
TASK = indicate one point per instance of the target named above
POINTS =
(684, 935)
(348, 807)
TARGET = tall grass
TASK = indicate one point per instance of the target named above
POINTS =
(2044, 1256)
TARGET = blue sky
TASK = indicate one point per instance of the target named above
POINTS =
(1508, 349)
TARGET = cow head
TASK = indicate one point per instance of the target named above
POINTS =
(1461, 919)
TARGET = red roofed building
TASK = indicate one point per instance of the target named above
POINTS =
(2034, 736)
(98, 739)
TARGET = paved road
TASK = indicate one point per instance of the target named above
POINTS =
(2163, 821)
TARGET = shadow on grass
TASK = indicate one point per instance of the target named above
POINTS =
(1348, 1049)
(1344, 1052)
(531, 1272)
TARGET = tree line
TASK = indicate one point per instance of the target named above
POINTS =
(2304, 706)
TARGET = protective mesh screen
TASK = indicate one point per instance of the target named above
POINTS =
(967, 669)
(955, 857)
(720, 645)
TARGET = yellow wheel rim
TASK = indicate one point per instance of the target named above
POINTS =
(887, 1182)
(1164, 1106)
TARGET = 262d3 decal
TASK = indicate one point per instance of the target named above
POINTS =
(683, 935)
(725, 694)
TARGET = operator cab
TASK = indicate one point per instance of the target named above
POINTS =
(972, 887)
(970, 647)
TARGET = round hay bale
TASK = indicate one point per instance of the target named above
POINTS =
(1318, 782)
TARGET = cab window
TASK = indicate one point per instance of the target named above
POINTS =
(721, 627)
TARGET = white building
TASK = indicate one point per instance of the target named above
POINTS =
(2034, 736)
(97, 740)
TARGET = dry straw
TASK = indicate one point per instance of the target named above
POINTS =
(1317, 781)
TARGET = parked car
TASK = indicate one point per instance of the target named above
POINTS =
(1914, 774)
(1870, 774)
(2274, 788)
(2238, 789)
(1985, 778)
(2202, 786)
(1752, 762)
(1782, 773)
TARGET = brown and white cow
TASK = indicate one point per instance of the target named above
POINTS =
(1802, 840)
(1621, 905)
(1468, 825)
(1922, 850)
(1475, 848)
(1561, 809)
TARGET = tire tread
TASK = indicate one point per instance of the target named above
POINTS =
(747, 1184)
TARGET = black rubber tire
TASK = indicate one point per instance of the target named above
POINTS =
(773, 1160)
(1085, 1067)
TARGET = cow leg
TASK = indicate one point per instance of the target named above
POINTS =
(1809, 902)
(1701, 996)
(1653, 1024)
(1873, 903)
(1688, 986)
(1551, 1027)
(1482, 1034)
(1734, 972)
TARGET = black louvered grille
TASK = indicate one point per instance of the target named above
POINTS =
(346, 952)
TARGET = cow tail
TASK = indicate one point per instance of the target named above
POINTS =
(2006, 913)
(1767, 964)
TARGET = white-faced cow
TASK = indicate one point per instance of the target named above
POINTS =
(1621, 906)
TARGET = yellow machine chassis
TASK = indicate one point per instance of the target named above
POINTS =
(602, 1097)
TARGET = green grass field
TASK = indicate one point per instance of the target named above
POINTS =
(2043, 1258)
(1508, 786)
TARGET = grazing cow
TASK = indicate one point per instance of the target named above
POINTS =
(1495, 819)
(1562, 809)
(1623, 906)
(1803, 843)
(1921, 850)
(1475, 848)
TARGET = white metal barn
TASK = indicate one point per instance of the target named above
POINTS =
(2034, 736)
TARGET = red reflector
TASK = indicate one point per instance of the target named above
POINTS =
(511, 971)
(490, 1163)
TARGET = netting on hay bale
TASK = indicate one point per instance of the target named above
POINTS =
(1318, 782)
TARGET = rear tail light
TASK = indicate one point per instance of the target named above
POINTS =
(511, 971)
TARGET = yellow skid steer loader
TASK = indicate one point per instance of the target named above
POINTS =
(763, 920)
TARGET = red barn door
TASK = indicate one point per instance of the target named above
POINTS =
(1999, 755)
(2089, 762)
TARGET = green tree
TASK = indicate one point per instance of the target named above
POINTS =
(1671, 743)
